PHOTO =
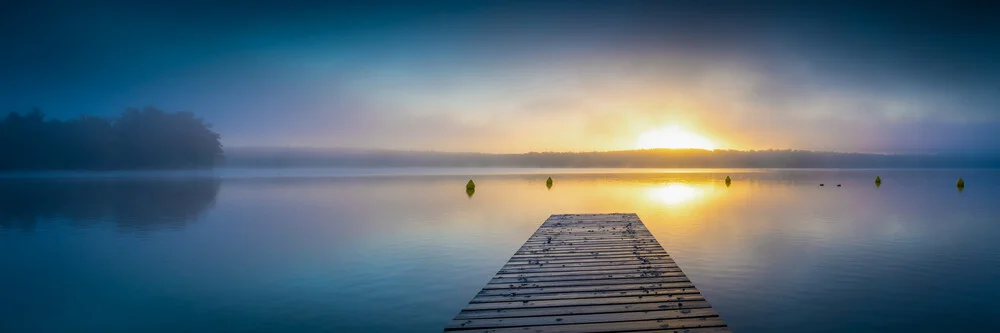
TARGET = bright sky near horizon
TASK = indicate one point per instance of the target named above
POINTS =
(522, 76)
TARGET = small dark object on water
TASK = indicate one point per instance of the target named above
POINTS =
(470, 188)
(548, 183)
(838, 185)
(961, 183)
(878, 181)
(728, 181)
(821, 185)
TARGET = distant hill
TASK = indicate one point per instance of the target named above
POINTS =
(653, 158)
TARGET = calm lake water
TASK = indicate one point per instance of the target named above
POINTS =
(379, 250)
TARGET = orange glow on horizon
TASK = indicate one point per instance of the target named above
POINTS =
(673, 137)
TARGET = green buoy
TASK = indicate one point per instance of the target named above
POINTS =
(878, 181)
(728, 181)
(470, 188)
(548, 183)
(961, 183)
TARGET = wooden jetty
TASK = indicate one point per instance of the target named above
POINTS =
(589, 273)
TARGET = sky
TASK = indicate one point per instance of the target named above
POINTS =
(484, 76)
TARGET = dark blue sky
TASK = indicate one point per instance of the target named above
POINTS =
(513, 77)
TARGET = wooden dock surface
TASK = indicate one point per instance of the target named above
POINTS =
(589, 273)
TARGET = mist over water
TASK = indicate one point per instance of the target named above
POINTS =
(340, 250)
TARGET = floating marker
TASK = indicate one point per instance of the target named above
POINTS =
(821, 185)
(878, 181)
(728, 181)
(961, 183)
(548, 182)
(470, 188)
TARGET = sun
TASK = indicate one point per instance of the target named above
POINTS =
(673, 138)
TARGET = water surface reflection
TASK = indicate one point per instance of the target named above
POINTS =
(773, 252)
(131, 204)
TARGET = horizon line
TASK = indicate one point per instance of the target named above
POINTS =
(913, 152)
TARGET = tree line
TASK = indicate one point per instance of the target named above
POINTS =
(138, 139)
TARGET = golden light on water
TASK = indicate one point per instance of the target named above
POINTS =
(674, 193)
(673, 137)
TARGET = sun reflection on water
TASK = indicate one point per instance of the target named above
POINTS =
(674, 193)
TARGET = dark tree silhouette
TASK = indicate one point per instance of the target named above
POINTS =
(146, 139)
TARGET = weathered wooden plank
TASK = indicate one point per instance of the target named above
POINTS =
(577, 250)
(606, 242)
(586, 283)
(550, 290)
(590, 235)
(588, 252)
(628, 228)
(576, 260)
(601, 276)
(580, 251)
(624, 326)
(588, 243)
(672, 268)
(587, 309)
(588, 230)
(585, 260)
(586, 301)
(586, 264)
(590, 257)
(520, 261)
(551, 268)
(582, 318)
(554, 259)
(644, 237)
(590, 294)
(584, 245)
(589, 273)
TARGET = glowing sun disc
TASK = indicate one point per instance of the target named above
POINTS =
(673, 138)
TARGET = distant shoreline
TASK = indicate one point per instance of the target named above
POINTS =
(656, 158)
(313, 158)
(266, 173)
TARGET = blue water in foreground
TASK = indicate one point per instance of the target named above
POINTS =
(403, 250)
